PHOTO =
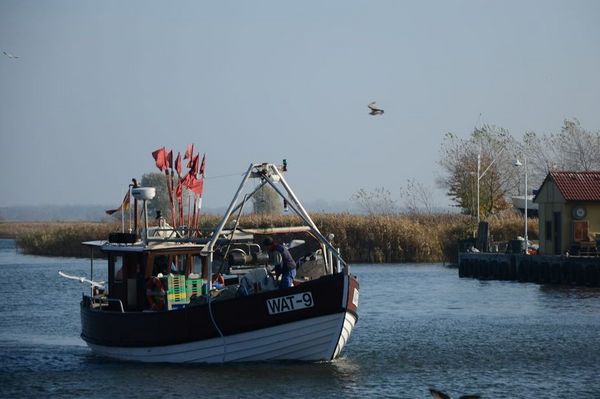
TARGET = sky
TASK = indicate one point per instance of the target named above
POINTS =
(98, 86)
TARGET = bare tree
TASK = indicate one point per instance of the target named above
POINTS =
(417, 197)
(376, 202)
(161, 200)
(573, 149)
(267, 201)
(577, 149)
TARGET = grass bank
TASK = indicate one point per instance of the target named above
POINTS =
(361, 238)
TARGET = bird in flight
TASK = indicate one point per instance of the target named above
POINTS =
(374, 109)
(9, 55)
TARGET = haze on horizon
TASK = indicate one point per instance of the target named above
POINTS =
(99, 85)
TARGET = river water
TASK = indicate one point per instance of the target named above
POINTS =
(420, 326)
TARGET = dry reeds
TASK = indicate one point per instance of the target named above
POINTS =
(361, 238)
(56, 238)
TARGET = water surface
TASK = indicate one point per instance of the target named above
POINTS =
(419, 326)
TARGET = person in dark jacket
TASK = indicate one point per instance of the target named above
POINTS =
(287, 268)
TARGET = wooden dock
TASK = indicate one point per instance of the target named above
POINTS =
(542, 269)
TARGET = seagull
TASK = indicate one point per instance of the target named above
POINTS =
(83, 280)
(441, 395)
(374, 110)
(9, 55)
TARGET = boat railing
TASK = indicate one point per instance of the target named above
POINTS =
(113, 300)
(103, 301)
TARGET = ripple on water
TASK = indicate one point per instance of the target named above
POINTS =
(419, 326)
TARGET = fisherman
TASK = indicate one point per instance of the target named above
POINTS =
(287, 268)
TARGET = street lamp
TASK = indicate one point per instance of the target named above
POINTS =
(480, 176)
(524, 164)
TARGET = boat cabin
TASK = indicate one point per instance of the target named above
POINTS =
(139, 275)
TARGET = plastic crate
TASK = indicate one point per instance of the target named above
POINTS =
(176, 297)
(195, 287)
(176, 283)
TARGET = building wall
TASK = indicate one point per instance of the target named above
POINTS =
(593, 218)
(550, 200)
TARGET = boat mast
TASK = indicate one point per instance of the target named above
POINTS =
(299, 209)
(269, 174)
(211, 244)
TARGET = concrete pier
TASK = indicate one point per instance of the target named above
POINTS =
(542, 269)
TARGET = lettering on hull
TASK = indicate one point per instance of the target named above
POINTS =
(290, 303)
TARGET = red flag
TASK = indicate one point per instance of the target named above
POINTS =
(189, 153)
(193, 165)
(179, 190)
(178, 164)
(160, 158)
(169, 159)
(124, 205)
(197, 186)
(186, 179)
(203, 165)
(192, 183)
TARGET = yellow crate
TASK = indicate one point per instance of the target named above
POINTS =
(176, 297)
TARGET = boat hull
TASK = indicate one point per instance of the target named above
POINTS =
(314, 339)
(244, 329)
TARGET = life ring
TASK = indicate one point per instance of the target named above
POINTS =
(155, 293)
(218, 279)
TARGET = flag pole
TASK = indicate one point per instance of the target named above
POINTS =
(189, 211)
(172, 194)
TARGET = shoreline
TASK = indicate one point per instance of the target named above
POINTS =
(398, 238)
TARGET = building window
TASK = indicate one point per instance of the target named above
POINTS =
(548, 230)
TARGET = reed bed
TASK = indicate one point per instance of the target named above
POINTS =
(56, 238)
(396, 238)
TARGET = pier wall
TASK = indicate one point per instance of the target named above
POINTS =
(542, 269)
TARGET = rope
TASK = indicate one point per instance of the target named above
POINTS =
(212, 318)
(228, 175)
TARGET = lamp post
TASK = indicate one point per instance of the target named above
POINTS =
(524, 164)
(480, 176)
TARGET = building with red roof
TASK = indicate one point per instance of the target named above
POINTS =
(569, 213)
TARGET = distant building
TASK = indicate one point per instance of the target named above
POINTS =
(569, 213)
(518, 202)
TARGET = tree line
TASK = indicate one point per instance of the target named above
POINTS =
(573, 148)
(496, 150)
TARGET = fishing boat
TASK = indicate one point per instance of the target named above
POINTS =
(173, 296)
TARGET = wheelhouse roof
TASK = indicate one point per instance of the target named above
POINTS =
(139, 247)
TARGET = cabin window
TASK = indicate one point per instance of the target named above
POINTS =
(180, 263)
(197, 265)
(118, 269)
(548, 230)
(160, 265)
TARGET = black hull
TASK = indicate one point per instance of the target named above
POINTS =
(332, 294)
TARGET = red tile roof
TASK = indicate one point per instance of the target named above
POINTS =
(577, 186)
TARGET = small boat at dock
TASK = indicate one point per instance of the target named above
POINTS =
(179, 295)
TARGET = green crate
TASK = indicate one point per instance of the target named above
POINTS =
(195, 286)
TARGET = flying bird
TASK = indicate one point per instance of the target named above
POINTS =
(9, 55)
(99, 284)
(374, 109)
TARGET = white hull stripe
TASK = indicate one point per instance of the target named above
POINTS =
(315, 339)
